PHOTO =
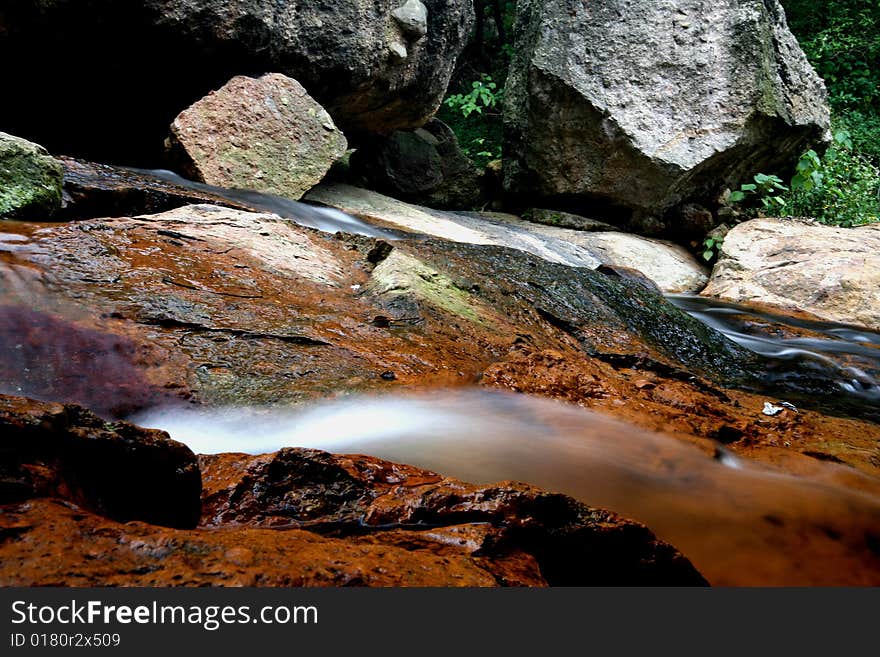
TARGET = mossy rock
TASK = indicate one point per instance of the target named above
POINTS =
(30, 180)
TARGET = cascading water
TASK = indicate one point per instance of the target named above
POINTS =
(850, 355)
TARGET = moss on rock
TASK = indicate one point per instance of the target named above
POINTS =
(30, 180)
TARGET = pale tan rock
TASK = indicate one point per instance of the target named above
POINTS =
(833, 273)
(671, 267)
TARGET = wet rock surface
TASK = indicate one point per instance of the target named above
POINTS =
(82, 361)
(94, 190)
(254, 307)
(669, 265)
(356, 495)
(230, 321)
(117, 470)
(230, 307)
(661, 400)
(295, 518)
(48, 543)
(217, 306)
(265, 134)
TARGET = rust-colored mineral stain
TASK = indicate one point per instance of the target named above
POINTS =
(55, 545)
(695, 412)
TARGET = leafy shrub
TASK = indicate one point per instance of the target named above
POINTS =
(484, 94)
(840, 189)
(472, 107)
(864, 129)
(475, 117)
(766, 189)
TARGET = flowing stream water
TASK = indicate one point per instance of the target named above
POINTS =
(329, 220)
(739, 522)
(850, 355)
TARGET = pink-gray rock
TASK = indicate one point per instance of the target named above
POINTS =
(265, 134)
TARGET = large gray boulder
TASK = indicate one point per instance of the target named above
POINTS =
(375, 65)
(641, 105)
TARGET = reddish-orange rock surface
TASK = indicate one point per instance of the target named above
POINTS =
(298, 517)
(212, 306)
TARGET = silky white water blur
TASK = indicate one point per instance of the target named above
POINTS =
(738, 522)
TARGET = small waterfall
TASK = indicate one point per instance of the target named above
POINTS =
(850, 355)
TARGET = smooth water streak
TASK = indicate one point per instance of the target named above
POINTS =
(850, 355)
(326, 219)
(739, 522)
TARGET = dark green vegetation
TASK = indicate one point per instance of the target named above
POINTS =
(842, 188)
(842, 41)
(841, 38)
(473, 103)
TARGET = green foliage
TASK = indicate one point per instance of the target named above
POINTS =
(840, 189)
(864, 129)
(473, 107)
(484, 94)
(482, 142)
(479, 134)
(766, 189)
(476, 119)
(712, 247)
(809, 174)
(841, 38)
